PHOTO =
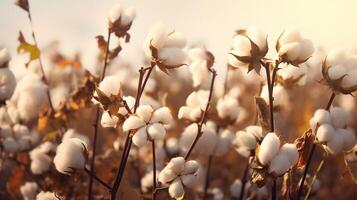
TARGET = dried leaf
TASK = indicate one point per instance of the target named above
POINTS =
(24, 4)
(62, 61)
(351, 164)
(303, 144)
(25, 47)
(110, 104)
(102, 45)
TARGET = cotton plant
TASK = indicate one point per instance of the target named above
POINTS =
(340, 72)
(210, 143)
(277, 159)
(178, 174)
(164, 47)
(246, 140)
(148, 124)
(71, 156)
(200, 62)
(332, 131)
(18, 138)
(41, 160)
(195, 105)
(7, 77)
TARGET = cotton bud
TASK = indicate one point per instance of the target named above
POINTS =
(5, 57)
(201, 61)
(71, 155)
(325, 133)
(7, 83)
(339, 117)
(176, 189)
(46, 196)
(291, 152)
(269, 148)
(292, 48)
(257, 131)
(227, 108)
(29, 190)
(279, 165)
(335, 145)
(349, 138)
(249, 46)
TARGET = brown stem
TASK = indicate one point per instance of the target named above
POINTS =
(207, 181)
(89, 172)
(203, 117)
(244, 181)
(154, 169)
(301, 187)
(97, 118)
(44, 79)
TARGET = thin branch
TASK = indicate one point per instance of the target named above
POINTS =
(244, 181)
(97, 179)
(207, 181)
(328, 106)
(203, 116)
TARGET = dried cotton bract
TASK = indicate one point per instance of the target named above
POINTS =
(292, 48)
(331, 130)
(179, 174)
(196, 103)
(165, 47)
(148, 123)
(71, 155)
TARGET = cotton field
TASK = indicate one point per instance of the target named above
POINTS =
(277, 121)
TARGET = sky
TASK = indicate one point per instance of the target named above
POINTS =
(75, 23)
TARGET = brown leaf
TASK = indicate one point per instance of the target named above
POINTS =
(25, 47)
(15, 182)
(102, 45)
(24, 4)
(110, 104)
(62, 61)
(303, 144)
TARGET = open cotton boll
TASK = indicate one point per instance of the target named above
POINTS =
(140, 137)
(166, 175)
(177, 164)
(40, 161)
(269, 148)
(349, 138)
(133, 122)
(157, 36)
(351, 79)
(191, 167)
(110, 85)
(162, 115)
(335, 145)
(335, 56)
(339, 117)
(279, 165)
(188, 180)
(257, 131)
(145, 112)
(291, 152)
(227, 107)
(130, 101)
(176, 189)
(29, 190)
(337, 71)
(146, 181)
(245, 139)
(176, 39)
(71, 133)
(128, 16)
(59, 94)
(7, 83)
(172, 56)
(322, 116)
(156, 131)
(5, 56)
(46, 196)
(325, 133)
(108, 121)
(70, 155)
(115, 13)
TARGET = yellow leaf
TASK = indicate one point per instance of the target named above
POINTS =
(25, 47)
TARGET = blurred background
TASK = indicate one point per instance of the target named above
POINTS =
(328, 23)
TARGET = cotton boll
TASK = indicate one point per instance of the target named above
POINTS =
(24, 143)
(290, 35)
(245, 139)
(71, 133)
(279, 165)
(188, 180)
(279, 93)
(20, 131)
(162, 115)
(176, 189)
(46, 196)
(337, 71)
(177, 164)
(195, 114)
(146, 181)
(10, 145)
(335, 57)
(191, 167)
(145, 112)
(70, 156)
(7, 83)
(40, 161)
(227, 107)
(156, 131)
(291, 152)
(110, 85)
(29, 190)
(325, 133)
(115, 13)
(176, 39)
(188, 135)
(172, 56)
(236, 188)
(128, 16)
(349, 138)
(322, 116)
(257, 131)
(108, 121)
(269, 148)
(335, 145)
(5, 56)
(133, 122)
(166, 175)
(339, 117)
(140, 137)
(59, 94)
(157, 36)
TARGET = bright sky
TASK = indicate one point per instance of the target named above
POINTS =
(75, 23)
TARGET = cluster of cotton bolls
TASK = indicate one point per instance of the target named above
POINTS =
(178, 174)
(195, 105)
(168, 45)
(211, 142)
(71, 155)
(236, 189)
(31, 191)
(246, 140)
(17, 138)
(29, 98)
(201, 61)
(40, 157)
(291, 74)
(149, 123)
(341, 65)
(7, 78)
(278, 159)
(331, 129)
(293, 48)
